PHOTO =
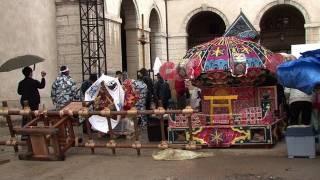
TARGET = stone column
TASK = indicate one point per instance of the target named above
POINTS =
(134, 51)
(158, 46)
(147, 49)
(312, 33)
(113, 45)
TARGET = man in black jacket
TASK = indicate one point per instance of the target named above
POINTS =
(28, 88)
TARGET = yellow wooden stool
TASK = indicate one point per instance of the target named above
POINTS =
(220, 105)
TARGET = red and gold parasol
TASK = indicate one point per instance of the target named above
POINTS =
(225, 60)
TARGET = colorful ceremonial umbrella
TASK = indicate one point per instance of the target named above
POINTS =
(248, 35)
(226, 60)
(274, 61)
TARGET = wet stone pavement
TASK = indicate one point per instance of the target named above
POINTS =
(226, 164)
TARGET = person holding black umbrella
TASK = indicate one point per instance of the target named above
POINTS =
(28, 89)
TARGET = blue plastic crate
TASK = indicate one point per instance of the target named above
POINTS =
(300, 141)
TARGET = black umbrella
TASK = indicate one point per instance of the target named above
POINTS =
(20, 62)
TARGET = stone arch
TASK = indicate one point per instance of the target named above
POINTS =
(281, 26)
(129, 36)
(155, 37)
(154, 21)
(203, 27)
(136, 10)
(277, 2)
(183, 28)
(155, 8)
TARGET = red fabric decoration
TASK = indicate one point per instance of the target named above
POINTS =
(130, 96)
(167, 71)
(180, 87)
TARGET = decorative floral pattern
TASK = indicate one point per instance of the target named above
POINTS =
(141, 88)
(63, 91)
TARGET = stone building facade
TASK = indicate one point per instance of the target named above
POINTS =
(51, 28)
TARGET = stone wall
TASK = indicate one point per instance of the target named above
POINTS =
(177, 46)
(113, 45)
(69, 37)
(27, 27)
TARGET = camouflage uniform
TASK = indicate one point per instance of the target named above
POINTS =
(63, 91)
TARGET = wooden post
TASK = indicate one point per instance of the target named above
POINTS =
(136, 145)
(163, 137)
(136, 133)
(46, 121)
(143, 38)
(160, 112)
(188, 111)
(190, 127)
(71, 134)
(56, 146)
(25, 108)
(111, 134)
(9, 122)
(88, 126)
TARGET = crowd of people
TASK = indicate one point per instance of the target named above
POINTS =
(157, 92)
(150, 94)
